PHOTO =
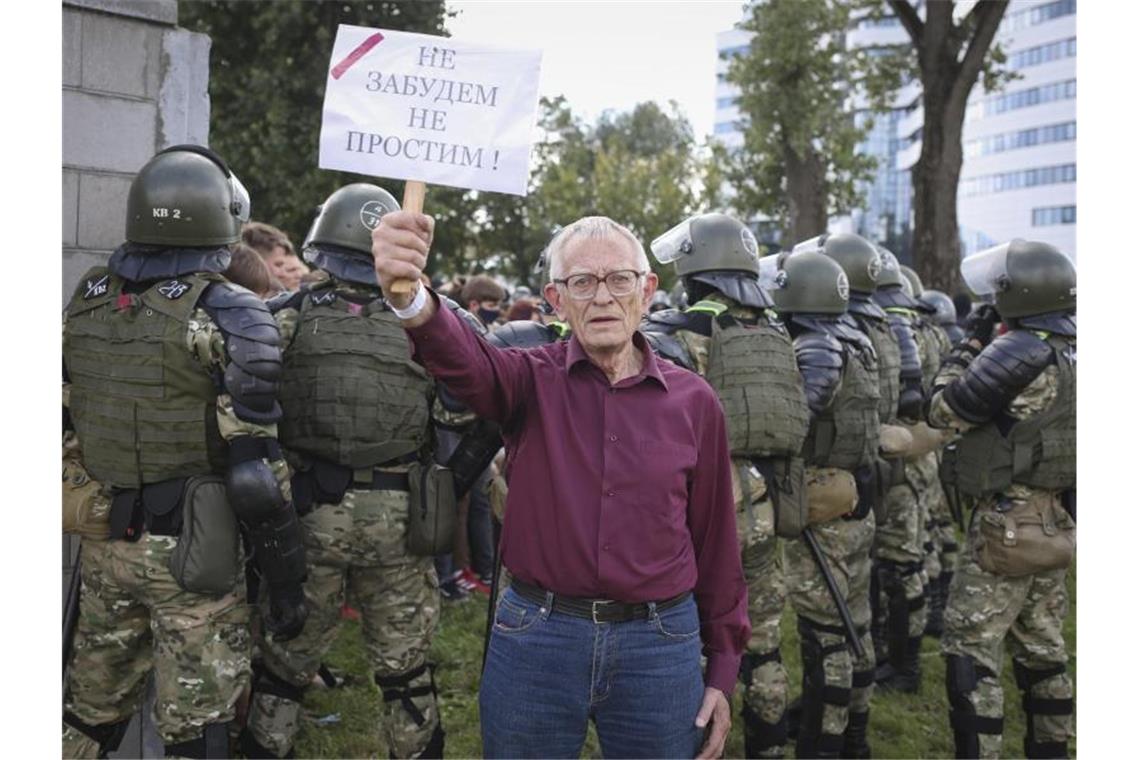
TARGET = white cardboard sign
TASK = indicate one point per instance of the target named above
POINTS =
(434, 109)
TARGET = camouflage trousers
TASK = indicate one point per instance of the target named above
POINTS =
(837, 682)
(133, 617)
(942, 541)
(358, 547)
(764, 676)
(899, 556)
(984, 612)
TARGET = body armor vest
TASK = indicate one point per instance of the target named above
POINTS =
(890, 364)
(847, 434)
(144, 407)
(934, 343)
(350, 392)
(1040, 451)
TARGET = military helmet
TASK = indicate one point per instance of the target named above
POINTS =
(912, 286)
(857, 256)
(717, 250)
(940, 305)
(186, 197)
(893, 288)
(805, 283)
(347, 218)
(1027, 277)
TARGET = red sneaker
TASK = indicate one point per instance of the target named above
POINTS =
(472, 582)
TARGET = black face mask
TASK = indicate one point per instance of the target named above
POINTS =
(488, 315)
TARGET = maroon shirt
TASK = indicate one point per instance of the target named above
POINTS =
(618, 492)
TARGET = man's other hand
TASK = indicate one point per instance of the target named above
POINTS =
(400, 245)
(714, 710)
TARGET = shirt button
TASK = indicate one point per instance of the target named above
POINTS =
(609, 493)
(606, 547)
(613, 437)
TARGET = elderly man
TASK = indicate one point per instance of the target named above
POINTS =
(622, 537)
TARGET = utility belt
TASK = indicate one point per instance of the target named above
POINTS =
(324, 482)
(598, 610)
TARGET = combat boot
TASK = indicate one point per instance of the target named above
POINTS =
(907, 677)
(855, 736)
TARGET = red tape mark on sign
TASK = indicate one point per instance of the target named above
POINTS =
(360, 51)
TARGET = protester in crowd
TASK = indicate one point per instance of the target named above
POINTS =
(277, 251)
(623, 510)
(526, 309)
(250, 271)
(483, 297)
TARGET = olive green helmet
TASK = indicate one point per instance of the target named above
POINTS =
(717, 250)
(186, 197)
(347, 218)
(911, 276)
(857, 256)
(805, 283)
(940, 305)
(1026, 277)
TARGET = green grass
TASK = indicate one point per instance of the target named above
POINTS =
(902, 726)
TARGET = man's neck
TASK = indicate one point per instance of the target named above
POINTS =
(618, 364)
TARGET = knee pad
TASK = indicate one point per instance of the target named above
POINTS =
(962, 674)
(1026, 679)
(214, 741)
(398, 688)
(760, 736)
(264, 681)
(811, 741)
(107, 735)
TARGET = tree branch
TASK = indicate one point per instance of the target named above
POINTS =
(988, 18)
(908, 16)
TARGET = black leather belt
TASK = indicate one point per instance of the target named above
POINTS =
(598, 610)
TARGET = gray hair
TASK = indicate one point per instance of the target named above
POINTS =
(596, 228)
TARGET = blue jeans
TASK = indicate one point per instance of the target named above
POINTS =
(547, 674)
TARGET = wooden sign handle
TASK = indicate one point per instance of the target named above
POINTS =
(414, 191)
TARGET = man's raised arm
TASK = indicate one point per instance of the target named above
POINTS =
(495, 383)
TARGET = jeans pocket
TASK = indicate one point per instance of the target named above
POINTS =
(678, 623)
(515, 614)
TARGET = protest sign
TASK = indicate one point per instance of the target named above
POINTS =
(433, 109)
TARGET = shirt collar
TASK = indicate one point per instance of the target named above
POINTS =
(649, 366)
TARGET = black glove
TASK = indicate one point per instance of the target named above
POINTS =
(287, 611)
(980, 324)
(910, 399)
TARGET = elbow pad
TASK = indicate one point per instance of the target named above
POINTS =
(909, 360)
(997, 376)
(911, 399)
(253, 492)
(473, 455)
(253, 350)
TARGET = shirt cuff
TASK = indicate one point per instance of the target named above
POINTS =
(423, 334)
(722, 671)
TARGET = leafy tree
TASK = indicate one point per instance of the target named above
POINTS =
(799, 162)
(951, 58)
(268, 66)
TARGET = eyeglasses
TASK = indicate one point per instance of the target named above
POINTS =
(619, 283)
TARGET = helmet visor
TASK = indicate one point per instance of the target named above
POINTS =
(674, 244)
(239, 199)
(770, 273)
(985, 272)
(814, 244)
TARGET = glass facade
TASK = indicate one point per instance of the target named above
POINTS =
(1017, 180)
(1035, 56)
(1038, 14)
(1043, 217)
(1022, 138)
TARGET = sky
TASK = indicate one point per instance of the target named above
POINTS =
(612, 55)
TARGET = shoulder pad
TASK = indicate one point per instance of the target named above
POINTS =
(866, 308)
(1055, 322)
(471, 320)
(997, 375)
(286, 301)
(521, 333)
(818, 349)
(666, 321)
(239, 312)
(665, 345)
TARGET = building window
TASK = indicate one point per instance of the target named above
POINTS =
(1033, 96)
(725, 127)
(1038, 14)
(1050, 215)
(1022, 138)
(1018, 180)
(726, 102)
(732, 52)
(1035, 56)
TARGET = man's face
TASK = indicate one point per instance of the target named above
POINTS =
(277, 262)
(294, 271)
(604, 322)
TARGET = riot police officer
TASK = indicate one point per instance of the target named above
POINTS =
(732, 337)
(356, 426)
(1013, 399)
(841, 378)
(173, 395)
(943, 313)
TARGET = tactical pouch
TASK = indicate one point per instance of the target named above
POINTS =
(84, 513)
(831, 493)
(887, 472)
(431, 509)
(208, 557)
(867, 491)
(1025, 537)
(126, 516)
(784, 477)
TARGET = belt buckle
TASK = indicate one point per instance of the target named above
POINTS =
(594, 609)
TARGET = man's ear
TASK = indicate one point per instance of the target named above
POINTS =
(647, 291)
(554, 298)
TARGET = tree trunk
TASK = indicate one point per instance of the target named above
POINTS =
(936, 244)
(806, 193)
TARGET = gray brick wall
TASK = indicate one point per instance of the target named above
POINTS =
(133, 83)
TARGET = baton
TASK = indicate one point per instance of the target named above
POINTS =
(833, 589)
(71, 614)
